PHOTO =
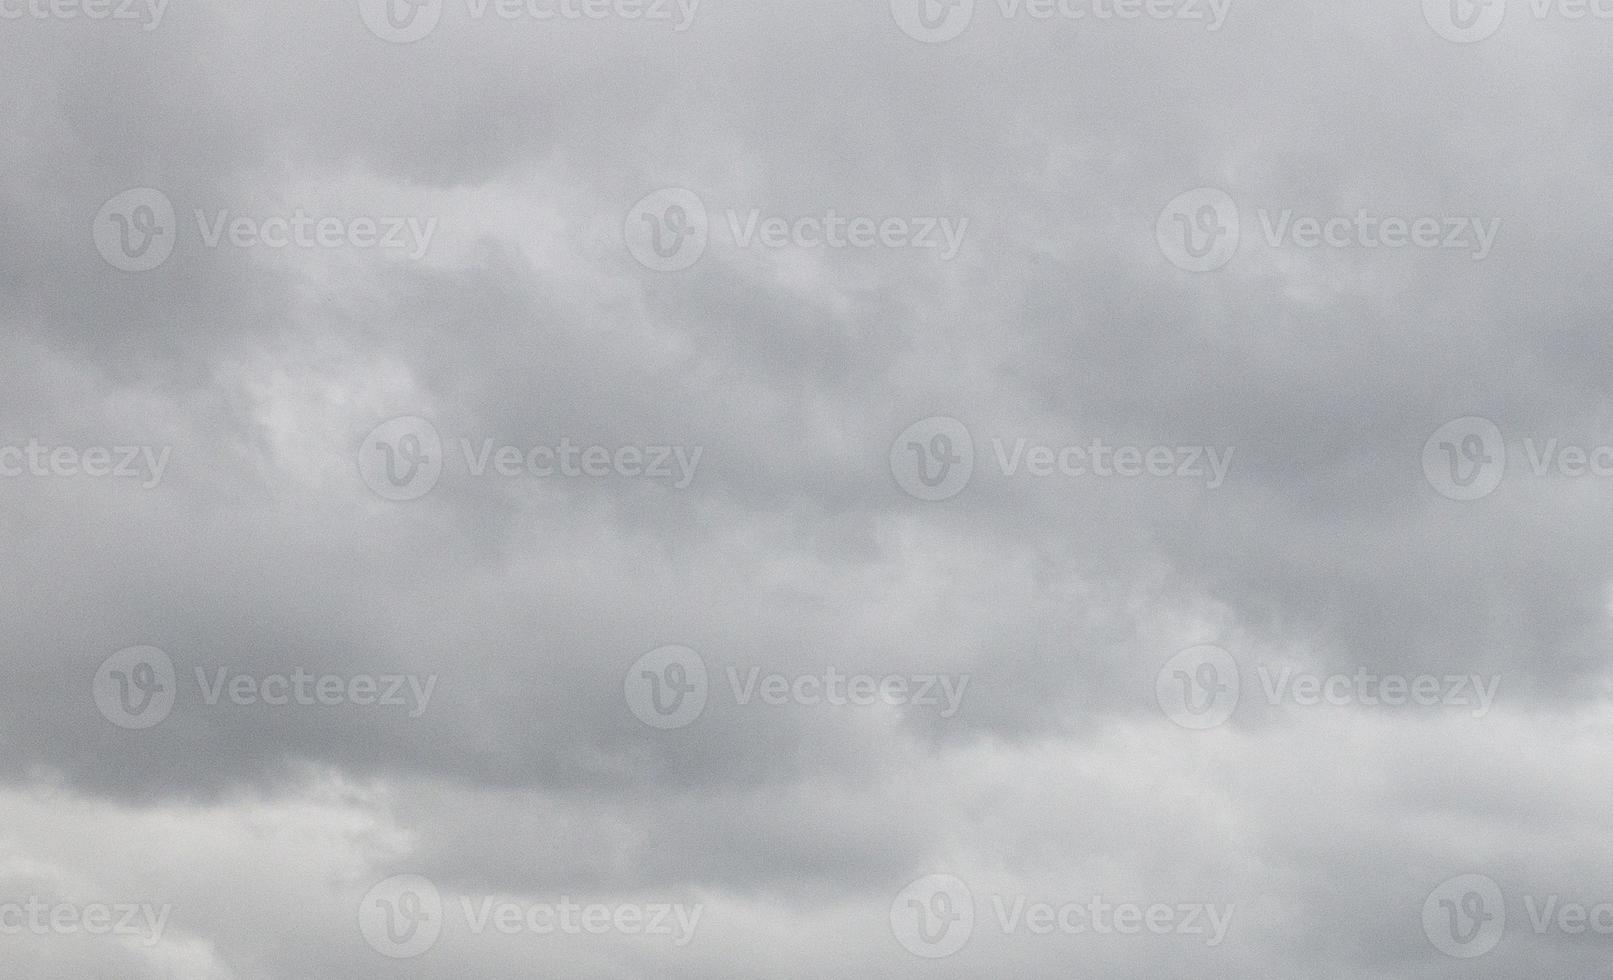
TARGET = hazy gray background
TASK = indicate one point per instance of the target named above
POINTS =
(528, 321)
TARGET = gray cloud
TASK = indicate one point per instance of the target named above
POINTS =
(525, 600)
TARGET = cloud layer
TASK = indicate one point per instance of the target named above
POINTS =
(753, 460)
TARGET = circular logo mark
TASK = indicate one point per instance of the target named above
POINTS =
(667, 687)
(933, 459)
(400, 21)
(1465, 459)
(1465, 21)
(1465, 916)
(1199, 687)
(933, 21)
(667, 231)
(135, 230)
(402, 916)
(135, 688)
(934, 916)
(401, 459)
(1199, 231)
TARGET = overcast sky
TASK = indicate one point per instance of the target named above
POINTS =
(805, 488)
